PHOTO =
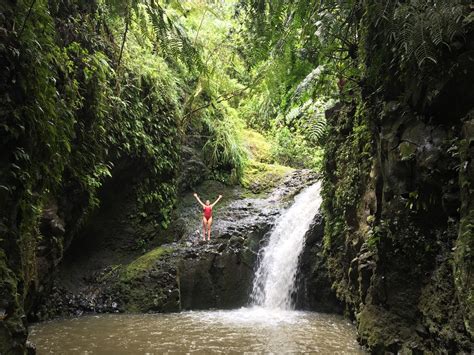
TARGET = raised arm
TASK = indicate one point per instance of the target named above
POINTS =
(197, 198)
(220, 196)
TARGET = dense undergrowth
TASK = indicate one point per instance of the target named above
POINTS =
(106, 90)
(396, 187)
(86, 89)
(91, 90)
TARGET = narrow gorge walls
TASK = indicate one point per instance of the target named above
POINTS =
(70, 120)
(397, 195)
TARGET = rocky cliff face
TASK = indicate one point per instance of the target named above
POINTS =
(183, 274)
(313, 283)
(398, 209)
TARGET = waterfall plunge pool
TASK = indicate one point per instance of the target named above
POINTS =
(269, 326)
(245, 330)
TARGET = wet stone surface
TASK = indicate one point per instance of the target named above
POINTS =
(189, 273)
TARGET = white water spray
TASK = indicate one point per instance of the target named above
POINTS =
(275, 278)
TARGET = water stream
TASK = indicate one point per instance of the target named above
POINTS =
(270, 325)
(275, 277)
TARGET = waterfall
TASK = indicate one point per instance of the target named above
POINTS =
(274, 280)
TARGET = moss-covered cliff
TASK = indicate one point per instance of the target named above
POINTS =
(95, 104)
(398, 193)
(109, 108)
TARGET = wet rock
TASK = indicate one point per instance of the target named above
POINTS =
(405, 274)
(221, 247)
(189, 273)
(313, 282)
(30, 348)
(193, 170)
(236, 241)
(365, 269)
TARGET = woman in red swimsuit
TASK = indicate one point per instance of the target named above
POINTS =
(207, 215)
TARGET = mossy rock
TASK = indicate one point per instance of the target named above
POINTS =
(407, 151)
(442, 314)
(144, 263)
(261, 177)
(383, 331)
(148, 284)
(464, 248)
(12, 328)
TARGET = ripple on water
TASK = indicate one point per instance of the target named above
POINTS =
(242, 330)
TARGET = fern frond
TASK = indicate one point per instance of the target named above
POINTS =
(317, 129)
(419, 28)
(171, 38)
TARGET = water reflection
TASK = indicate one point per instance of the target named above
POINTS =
(246, 330)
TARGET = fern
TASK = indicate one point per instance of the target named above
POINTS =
(420, 27)
(317, 129)
(171, 39)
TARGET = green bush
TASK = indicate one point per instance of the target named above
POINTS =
(224, 150)
(291, 149)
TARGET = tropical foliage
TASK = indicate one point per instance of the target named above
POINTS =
(90, 89)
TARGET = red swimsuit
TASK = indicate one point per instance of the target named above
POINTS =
(207, 212)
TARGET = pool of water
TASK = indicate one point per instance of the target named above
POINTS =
(243, 330)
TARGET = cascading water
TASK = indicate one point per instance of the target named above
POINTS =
(274, 280)
(271, 326)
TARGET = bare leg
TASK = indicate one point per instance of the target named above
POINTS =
(204, 227)
(209, 222)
